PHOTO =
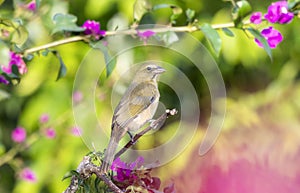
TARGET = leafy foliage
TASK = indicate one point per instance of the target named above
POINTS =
(65, 22)
(264, 42)
(213, 37)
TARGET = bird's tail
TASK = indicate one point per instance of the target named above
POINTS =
(109, 155)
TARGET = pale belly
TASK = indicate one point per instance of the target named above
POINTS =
(143, 117)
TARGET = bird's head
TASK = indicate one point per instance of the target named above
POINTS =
(148, 72)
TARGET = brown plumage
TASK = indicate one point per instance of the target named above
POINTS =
(135, 109)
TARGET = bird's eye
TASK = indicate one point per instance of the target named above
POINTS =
(148, 68)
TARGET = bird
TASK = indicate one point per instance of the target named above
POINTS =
(136, 107)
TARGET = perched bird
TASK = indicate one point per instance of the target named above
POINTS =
(135, 109)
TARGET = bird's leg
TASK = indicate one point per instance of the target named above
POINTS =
(131, 136)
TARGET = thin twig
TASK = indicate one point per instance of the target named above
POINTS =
(187, 28)
(154, 124)
(56, 43)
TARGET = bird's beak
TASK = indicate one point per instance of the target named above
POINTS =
(159, 70)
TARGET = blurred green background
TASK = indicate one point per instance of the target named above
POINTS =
(257, 150)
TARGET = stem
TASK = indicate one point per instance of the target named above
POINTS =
(124, 32)
(56, 43)
(8, 156)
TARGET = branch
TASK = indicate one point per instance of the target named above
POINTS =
(188, 28)
(154, 125)
(9, 155)
(56, 43)
(86, 168)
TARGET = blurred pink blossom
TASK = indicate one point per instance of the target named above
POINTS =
(31, 6)
(76, 131)
(15, 59)
(256, 17)
(28, 175)
(272, 36)
(18, 135)
(77, 96)
(93, 28)
(44, 118)
(3, 80)
(144, 36)
(50, 133)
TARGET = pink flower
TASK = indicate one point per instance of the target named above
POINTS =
(44, 118)
(124, 170)
(272, 36)
(28, 175)
(145, 35)
(15, 59)
(18, 135)
(50, 133)
(3, 80)
(76, 131)
(278, 12)
(77, 97)
(93, 28)
(31, 6)
(256, 17)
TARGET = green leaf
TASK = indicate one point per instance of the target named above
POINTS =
(70, 174)
(4, 95)
(29, 57)
(240, 11)
(86, 188)
(228, 32)
(96, 184)
(263, 40)
(37, 3)
(15, 70)
(213, 37)
(168, 37)
(176, 10)
(293, 5)
(109, 60)
(65, 22)
(141, 7)
(20, 36)
(19, 33)
(190, 14)
(45, 52)
(62, 68)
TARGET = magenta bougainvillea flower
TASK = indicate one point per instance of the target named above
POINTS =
(272, 36)
(31, 6)
(256, 17)
(93, 28)
(15, 59)
(50, 133)
(124, 170)
(3, 80)
(77, 97)
(28, 175)
(18, 135)
(144, 36)
(44, 118)
(132, 175)
(278, 13)
(76, 131)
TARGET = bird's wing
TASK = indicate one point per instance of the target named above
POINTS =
(134, 102)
